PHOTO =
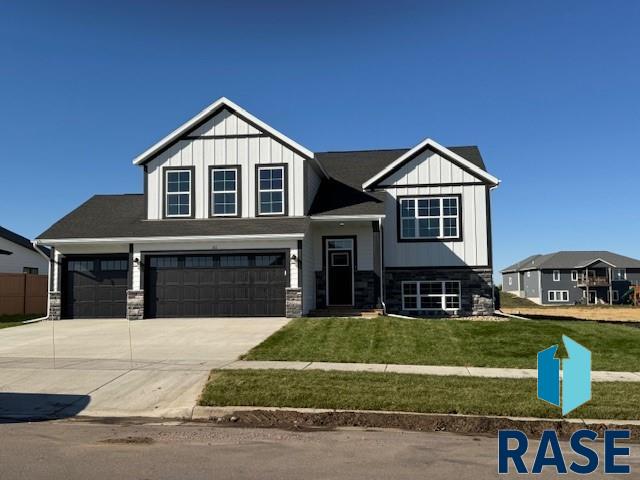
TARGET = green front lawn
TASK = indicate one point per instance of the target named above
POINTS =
(407, 393)
(512, 343)
(14, 320)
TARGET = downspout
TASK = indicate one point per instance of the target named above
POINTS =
(381, 233)
(46, 257)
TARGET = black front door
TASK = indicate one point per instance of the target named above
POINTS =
(340, 277)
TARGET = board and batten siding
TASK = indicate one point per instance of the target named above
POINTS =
(429, 168)
(213, 149)
(437, 174)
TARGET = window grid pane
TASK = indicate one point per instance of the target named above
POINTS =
(224, 192)
(434, 295)
(271, 190)
(436, 217)
(178, 193)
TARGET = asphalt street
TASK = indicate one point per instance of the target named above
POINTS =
(79, 450)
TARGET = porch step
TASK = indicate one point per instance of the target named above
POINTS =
(345, 312)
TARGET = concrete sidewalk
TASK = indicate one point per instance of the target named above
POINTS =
(596, 376)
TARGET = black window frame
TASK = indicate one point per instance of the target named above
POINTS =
(210, 191)
(285, 189)
(192, 192)
(441, 196)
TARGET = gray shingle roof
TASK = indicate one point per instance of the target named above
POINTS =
(571, 259)
(124, 215)
(343, 195)
(116, 216)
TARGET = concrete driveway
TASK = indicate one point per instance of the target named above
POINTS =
(118, 368)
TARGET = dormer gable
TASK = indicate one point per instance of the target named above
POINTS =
(429, 163)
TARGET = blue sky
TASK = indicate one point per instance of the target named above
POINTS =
(550, 91)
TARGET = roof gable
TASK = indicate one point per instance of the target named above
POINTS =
(433, 146)
(200, 125)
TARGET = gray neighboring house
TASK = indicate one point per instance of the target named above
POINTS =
(570, 277)
(237, 219)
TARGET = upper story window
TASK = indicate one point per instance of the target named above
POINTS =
(556, 275)
(430, 218)
(619, 274)
(271, 190)
(225, 199)
(574, 275)
(178, 192)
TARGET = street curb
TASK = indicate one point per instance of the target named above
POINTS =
(284, 417)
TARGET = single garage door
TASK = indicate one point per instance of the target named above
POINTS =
(216, 285)
(95, 287)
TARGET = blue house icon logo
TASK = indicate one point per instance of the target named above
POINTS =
(576, 376)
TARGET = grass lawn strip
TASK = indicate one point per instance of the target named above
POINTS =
(7, 321)
(509, 344)
(408, 393)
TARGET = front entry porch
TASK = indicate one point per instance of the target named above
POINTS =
(347, 264)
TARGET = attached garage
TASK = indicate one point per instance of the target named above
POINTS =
(215, 285)
(95, 286)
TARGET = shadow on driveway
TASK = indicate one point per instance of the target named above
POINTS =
(34, 407)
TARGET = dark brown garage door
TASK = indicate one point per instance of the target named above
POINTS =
(94, 287)
(217, 285)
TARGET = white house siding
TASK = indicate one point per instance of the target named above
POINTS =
(472, 250)
(20, 258)
(246, 152)
(429, 168)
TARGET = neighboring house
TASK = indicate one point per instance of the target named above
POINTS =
(572, 277)
(236, 219)
(17, 255)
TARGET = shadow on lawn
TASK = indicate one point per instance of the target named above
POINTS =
(37, 407)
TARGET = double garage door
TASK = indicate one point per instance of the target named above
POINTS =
(217, 285)
(207, 285)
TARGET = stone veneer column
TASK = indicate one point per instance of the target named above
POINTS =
(135, 304)
(293, 302)
(55, 305)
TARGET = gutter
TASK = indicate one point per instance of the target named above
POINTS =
(46, 257)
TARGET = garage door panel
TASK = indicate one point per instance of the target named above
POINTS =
(216, 285)
(94, 287)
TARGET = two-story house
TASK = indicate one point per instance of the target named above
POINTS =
(570, 277)
(237, 219)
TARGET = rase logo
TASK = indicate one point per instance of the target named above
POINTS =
(576, 376)
(569, 393)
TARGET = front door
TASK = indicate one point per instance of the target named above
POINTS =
(593, 298)
(339, 272)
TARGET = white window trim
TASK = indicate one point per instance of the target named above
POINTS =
(167, 193)
(441, 217)
(556, 275)
(235, 191)
(443, 296)
(529, 274)
(615, 296)
(510, 280)
(555, 296)
(282, 190)
(574, 275)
